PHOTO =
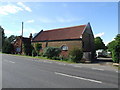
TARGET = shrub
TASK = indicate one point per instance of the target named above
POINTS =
(34, 53)
(64, 58)
(38, 47)
(76, 55)
(51, 52)
(116, 54)
(27, 48)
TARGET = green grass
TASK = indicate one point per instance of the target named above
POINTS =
(45, 58)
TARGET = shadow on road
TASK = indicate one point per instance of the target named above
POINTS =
(103, 61)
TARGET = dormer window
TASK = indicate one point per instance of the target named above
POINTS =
(64, 47)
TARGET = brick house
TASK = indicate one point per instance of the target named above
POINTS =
(67, 39)
(19, 42)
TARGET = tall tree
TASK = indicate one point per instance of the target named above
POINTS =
(11, 38)
(99, 44)
(2, 34)
(114, 48)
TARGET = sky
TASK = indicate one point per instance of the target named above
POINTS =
(103, 17)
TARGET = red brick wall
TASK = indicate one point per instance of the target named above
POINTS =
(71, 45)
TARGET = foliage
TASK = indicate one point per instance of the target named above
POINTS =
(2, 37)
(76, 55)
(99, 44)
(38, 47)
(27, 49)
(51, 52)
(12, 38)
(34, 52)
(111, 45)
(114, 48)
(7, 47)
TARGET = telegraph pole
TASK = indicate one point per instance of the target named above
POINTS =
(22, 38)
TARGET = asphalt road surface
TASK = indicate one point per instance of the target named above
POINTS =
(24, 72)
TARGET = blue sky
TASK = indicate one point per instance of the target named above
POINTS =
(103, 17)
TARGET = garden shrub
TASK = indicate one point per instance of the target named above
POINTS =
(51, 52)
(116, 55)
(76, 55)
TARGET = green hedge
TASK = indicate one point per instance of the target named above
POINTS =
(76, 55)
(52, 52)
(116, 54)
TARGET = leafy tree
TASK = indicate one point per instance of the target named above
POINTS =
(8, 47)
(114, 48)
(28, 48)
(12, 38)
(38, 47)
(3, 35)
(99, 44)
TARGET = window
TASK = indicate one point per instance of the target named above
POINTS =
(64, 47)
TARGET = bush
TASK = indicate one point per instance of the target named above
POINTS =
(27, 48)
(76, 55)
(64, 58)
(51, 52)
(116, 55)
(34, 53)
(38, 46)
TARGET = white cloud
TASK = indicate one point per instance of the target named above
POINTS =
(30, 21)
(24, 6)
(9, 9)
(99, 34)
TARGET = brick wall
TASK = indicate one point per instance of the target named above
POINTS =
(71, 45)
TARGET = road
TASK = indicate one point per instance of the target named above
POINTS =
(24, 72)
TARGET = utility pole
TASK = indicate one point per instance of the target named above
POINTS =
(22, 38)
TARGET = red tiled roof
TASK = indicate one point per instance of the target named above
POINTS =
(61, 34)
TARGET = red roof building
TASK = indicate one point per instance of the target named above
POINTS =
(67, 39)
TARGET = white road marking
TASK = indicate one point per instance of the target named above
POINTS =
(77, 77)
(9, 61)
(61, 63)
(117, 71)
(47, 62)
(98, 69)
(77, 66)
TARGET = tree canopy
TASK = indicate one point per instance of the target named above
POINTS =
(114, 48)
(99, 44)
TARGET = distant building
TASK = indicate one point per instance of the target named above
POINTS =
(68, 38)
(19, 42)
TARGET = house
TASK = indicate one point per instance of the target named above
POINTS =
(18, 43)
(67, 39)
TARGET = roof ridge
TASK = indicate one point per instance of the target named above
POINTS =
(64, 28)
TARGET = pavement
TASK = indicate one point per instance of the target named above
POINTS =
(24, 72)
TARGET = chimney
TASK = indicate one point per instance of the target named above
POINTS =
(30, 36)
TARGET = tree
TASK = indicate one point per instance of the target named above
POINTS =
(3, 35)
(27, 48)
(111, 45)
(38, 47)
(114, 48)
(11, 38)
(8, 47)
(99, 44)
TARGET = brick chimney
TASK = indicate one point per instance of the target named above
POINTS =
(30, 36)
